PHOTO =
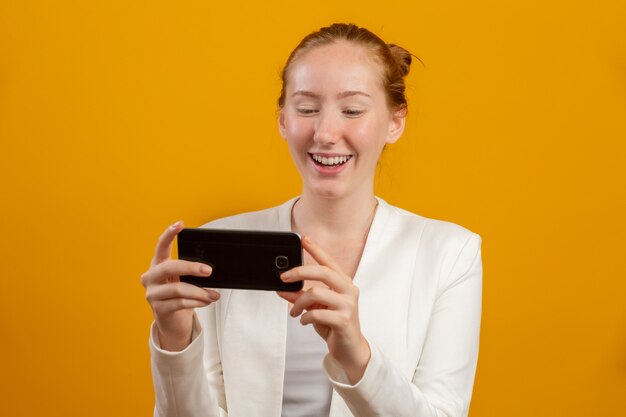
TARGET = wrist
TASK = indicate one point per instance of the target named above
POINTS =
(354, 366)
(173, 344)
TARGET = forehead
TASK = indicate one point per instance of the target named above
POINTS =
(340, 66)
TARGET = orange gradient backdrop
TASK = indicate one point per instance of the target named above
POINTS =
(118, 118)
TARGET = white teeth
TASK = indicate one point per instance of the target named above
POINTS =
(330, 161)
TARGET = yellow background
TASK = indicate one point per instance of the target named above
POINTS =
(118, 118)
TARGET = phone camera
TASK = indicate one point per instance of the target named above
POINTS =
(281, 262)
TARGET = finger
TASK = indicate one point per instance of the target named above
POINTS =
(178, 267)
(172, 305)
(333, 279)
(320, 256)
(164, 245)
(290, 296)
(174, 268)
(329, 318)
(317, 298)
(180, 290)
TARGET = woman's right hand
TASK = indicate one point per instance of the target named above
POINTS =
(173, 301)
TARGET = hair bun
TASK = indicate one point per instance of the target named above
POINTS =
(395, 62)
(402, 57)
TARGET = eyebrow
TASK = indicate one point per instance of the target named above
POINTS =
(343, 94)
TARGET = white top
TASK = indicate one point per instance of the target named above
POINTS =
(306, 389)
(419, 308)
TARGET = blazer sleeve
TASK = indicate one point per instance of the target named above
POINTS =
(189, 383)
(442, 382)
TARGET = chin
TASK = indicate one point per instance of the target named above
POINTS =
(326, 192)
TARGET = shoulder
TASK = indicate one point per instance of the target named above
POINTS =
(433, 232)
(273, 218)
(449, 245)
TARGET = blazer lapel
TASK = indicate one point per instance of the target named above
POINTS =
(385, 289)
(254, 327)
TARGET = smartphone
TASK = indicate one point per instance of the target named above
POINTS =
(241, 259)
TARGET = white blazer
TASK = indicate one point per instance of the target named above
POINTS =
(420, 304)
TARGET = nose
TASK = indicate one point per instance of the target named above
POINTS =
(326, 129)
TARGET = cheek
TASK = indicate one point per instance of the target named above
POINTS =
(297, 136)
(369, 134)
(299, 129)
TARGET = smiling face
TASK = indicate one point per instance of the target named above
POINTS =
(336, 119)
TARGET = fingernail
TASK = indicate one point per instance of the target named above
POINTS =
(175, 225)
(284, 276)
(205, 269)
(214, 297)
(292, 313)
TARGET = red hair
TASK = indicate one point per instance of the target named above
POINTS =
(395, 61)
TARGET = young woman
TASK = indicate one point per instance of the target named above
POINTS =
(388, 321)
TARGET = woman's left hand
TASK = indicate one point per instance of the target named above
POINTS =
(333, 311)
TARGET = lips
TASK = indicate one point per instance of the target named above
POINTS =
(329, 160)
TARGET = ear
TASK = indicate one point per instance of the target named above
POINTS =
(396, 125)
(282, 128)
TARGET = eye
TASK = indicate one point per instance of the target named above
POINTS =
(306, 111)
(353, 112)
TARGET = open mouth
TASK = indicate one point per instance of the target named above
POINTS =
(330, 161)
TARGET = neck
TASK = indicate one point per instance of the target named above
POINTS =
(348, 217)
